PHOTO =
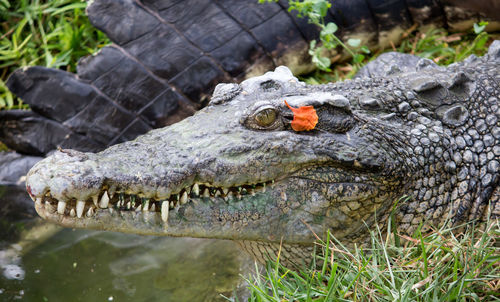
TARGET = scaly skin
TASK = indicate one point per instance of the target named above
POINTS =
(236, 170)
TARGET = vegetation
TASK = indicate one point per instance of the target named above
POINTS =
(440, 266)
(51, 33)
(315, 11)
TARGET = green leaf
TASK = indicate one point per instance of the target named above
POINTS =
(365, 49)
(322, 63)
(354, 42)
(358, 58)
(10, 99)
(478, 28)
(4, 4)
(329, 29)
(321, 7)
(312, 44)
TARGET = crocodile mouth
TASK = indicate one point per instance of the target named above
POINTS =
(121, 202)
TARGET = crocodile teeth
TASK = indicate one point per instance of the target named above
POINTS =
(61, 206)
(225, 190)
(146, 205)
(38, 201)
(196, 189)
(164, 211)
(153, 207)
(90, 212)
(139, 208)
(206, 193)
(49, 207)
(184, 198)
(72, 213)
(128, 205)
(171, 204)
(104, 200)
(79, 208)
(217, 193)
(94, 199)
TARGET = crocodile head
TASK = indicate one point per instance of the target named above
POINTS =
(235, 170)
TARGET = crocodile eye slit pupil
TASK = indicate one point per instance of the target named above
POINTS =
(265, 117)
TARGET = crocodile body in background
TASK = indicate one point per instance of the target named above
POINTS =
(168, 55)
(237, 170)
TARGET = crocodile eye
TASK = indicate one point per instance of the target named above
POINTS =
(266, 117)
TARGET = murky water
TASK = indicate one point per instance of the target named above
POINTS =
(54, 264)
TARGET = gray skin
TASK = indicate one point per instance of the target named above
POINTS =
(423, 131)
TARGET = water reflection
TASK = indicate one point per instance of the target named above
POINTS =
(48, 263)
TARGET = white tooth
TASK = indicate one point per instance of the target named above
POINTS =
(164, 211)
(225, 190)
(110, 210)
(61, 206)
(139, 208)
(171, 204)
(153, 207)
(94, 199)
(38, 201)
(184, 198)
(217, 193)
(196, 189)
(238, 195)
(146, 205)
(79, 208)
(90, 212)
(104, 200)
(128, 205)
(72, 213)
(206, 193)
(49, 207)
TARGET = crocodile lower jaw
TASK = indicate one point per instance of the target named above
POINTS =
(122, 203)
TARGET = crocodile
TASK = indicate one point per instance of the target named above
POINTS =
(238, 170)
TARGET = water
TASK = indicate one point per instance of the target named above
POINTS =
(49, 263)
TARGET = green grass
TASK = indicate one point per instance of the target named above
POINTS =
(439, 266)
(53, 33)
